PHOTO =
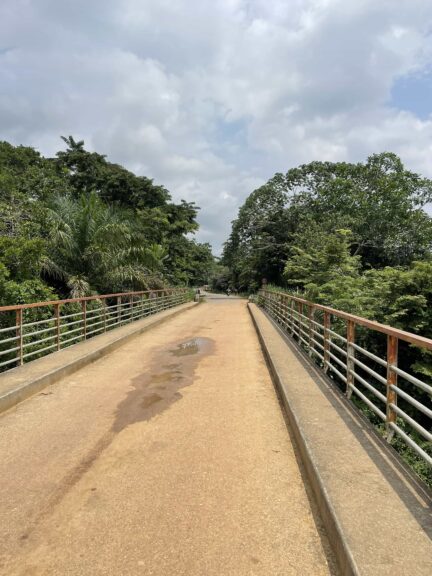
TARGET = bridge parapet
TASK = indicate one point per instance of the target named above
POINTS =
(29, 331)
(378, 380)
(375, 511)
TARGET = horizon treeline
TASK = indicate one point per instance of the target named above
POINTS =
(76, 225)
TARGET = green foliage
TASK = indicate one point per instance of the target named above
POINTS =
(21, 256)
(220, 280)
(318, 259)
(90, 172)
(380, 202)
(91, 244)
(25, 292)
(257, 246)
(78, 224)
(26, 181)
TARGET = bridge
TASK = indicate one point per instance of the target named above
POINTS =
(146, 433)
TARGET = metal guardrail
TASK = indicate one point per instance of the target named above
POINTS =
(28, 331)
(376, 382)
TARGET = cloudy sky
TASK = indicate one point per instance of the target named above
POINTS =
(212, 97)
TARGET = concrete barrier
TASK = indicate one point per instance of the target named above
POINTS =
(376, 514)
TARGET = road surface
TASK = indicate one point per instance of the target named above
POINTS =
(168, 457)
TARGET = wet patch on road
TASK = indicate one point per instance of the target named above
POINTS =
(193, 346)
(157, 388)
(169, 370)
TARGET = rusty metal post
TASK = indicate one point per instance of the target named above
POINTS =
(350, 357)
(19, 334)
(292, 316)
(392, 360)
(118, 309)
(326, 340)
(57, 324)
(311, 316)
(300, 325)
(285, 311)
(84, 317)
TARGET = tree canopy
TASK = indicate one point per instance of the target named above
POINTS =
(77, 224)
(379, 202)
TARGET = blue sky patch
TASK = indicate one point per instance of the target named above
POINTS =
(413, 93)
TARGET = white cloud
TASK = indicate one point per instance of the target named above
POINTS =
(211, 98)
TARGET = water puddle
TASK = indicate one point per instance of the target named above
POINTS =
(193, 346)
(158, 386)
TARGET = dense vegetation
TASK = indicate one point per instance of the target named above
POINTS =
(77, 224)
(355, 236)
(352, 236)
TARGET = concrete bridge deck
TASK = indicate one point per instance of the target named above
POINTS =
(170, 456)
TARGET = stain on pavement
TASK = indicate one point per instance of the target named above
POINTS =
(157, 388)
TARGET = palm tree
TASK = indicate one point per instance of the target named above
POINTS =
(93, 246)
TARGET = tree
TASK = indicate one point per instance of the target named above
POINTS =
(91, 172)
(78, 224)
(257, 246)
(94, 246)
(26, 181)
(380, 202)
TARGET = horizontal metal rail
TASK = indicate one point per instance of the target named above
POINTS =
(371, 378)
(28, 331)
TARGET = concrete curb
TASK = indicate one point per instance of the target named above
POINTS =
(344, 558)
(31, 386)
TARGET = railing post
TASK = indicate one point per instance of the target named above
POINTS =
(326, 340)
(118, 309)
(392, 360)
(311, 314)
(104, 313)
(350, 357)
(84, 315)
(57, 324)
(292, 317)
(285, 312)
(131, 307)
(300, 326)
(282, 309)
(19, 334)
